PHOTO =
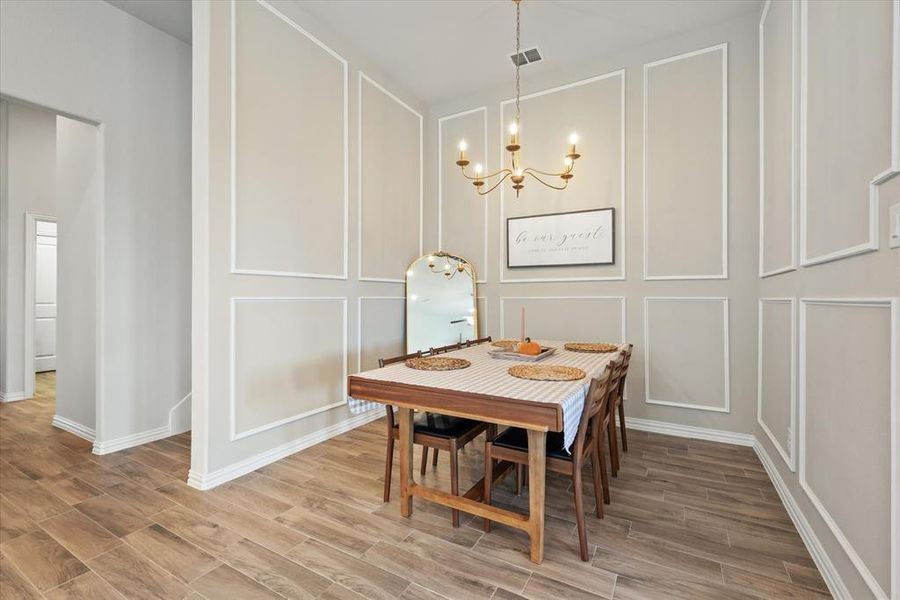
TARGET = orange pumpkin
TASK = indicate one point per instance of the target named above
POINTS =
(530, 348)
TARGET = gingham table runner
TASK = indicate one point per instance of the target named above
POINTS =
(489, 376)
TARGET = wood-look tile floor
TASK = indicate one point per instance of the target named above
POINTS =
(688, 520)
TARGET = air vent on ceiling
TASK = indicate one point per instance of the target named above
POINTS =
(527, 57)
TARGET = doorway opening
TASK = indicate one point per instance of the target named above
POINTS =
(51, 180)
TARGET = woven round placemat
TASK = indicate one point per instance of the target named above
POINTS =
(601, 347)
(505, 344)
(437, 363)
(547, 372)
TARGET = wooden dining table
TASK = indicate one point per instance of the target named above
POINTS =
(486, 392)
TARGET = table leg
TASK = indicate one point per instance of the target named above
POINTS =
(537, 465)
(405, 416)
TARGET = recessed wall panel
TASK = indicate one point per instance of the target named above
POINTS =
(567, 319)
(845, 422)
(777, 135)
(288, 360)
(288, 148)
(382, 325)
(390, 183)
(685, 166)
(462, 219)
(594, 108)
(686, 352)
(846, 100)
(775, 408)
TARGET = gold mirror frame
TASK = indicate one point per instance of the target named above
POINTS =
(462, 268)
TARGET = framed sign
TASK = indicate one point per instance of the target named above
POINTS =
(585, 237)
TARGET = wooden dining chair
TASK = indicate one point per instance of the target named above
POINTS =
(512, 445)
(430, 430)
(616, 404)
(441, 350)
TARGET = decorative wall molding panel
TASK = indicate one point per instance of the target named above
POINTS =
(851, 376)
(297, 237)
(588, 144)
(714, 356)
(392, 174)
(787, 453)
(339, 400)
(694, 121)
(476, 155)
(777, 134)
(582, 322)
(360, 327)
(860, 85)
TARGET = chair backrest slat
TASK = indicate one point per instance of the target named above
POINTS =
(447, 348)
(383, 362)
(478, 341)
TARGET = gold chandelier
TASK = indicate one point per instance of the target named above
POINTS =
(516, 173)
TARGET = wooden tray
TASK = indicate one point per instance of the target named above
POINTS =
(547, 372)
(506, 344)
(510, 355)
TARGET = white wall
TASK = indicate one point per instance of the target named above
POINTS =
(29, 184)
(78, 172)
(830, 134)
(92, 60)
(300, 228)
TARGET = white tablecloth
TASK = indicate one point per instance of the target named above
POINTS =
(489, 375)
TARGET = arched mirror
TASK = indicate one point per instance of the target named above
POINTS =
(440, 301)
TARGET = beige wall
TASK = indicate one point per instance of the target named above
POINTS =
(604, 100)
(826, 83)
(312, 169)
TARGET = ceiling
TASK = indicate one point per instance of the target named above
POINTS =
(170, 16)
(440, 49)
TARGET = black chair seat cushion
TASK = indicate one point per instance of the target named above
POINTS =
(517, 439)
(442, 425)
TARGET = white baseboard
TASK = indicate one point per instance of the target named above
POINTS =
(210, 480)
(689, 431)
(180, 416)
(74, 428)
(12, 396)
(128, 441)
(813, 545)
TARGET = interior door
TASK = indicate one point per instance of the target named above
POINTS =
(45, 297)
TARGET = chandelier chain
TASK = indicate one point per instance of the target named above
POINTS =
(518, 55)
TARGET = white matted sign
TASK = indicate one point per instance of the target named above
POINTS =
(585, 237)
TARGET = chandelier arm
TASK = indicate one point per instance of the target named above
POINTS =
(532, 170)
(549, 185)
(487, 176)
(495, 186)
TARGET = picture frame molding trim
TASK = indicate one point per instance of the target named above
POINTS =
(232, 149)
(723, 47)
(623, 172)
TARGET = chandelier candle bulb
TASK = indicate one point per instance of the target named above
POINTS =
(463, 161)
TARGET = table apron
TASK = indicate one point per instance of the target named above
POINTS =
(539, 416)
